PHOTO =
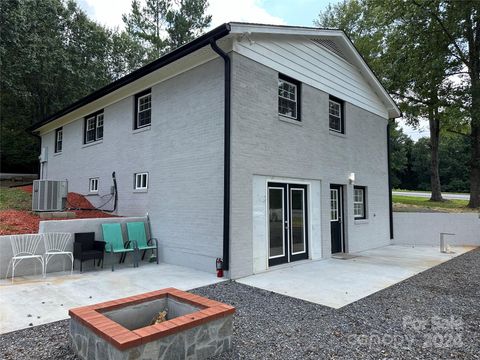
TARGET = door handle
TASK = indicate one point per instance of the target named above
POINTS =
(286, 225)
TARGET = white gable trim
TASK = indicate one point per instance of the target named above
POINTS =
(249, 32)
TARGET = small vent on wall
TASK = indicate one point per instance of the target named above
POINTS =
(330, 45)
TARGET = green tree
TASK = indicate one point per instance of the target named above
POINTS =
(454, 151)
(396, 40)
(51, 54)
(400, 145)
(420, 163)
(459, 21)
(162, 25)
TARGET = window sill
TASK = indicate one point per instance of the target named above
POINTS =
(92, 194)
(142, 129)
(92, 143)
(140, 190)
(361, 221)
(57, 153)
(336, 133)
(290, 120)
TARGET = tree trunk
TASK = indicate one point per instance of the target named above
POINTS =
(475, 147)
(475, 169)
(434, 123)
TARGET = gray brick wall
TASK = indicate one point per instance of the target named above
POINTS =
(183, 153)
(264, 145)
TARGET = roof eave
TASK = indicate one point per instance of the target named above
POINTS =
(201, 41)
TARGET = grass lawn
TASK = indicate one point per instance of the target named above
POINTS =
(15, 198)
(429, 192)
(414, 203)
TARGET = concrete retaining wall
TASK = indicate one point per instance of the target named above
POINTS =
(425, 228)
(58, 263)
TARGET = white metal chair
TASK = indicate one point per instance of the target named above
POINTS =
(25, 247)
(56, 244)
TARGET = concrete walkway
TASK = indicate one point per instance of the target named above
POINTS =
(336, 283)
(38, 301)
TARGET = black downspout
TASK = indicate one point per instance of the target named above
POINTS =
(226, 156)
(390, 206)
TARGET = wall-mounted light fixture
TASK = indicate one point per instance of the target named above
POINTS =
(351, 178)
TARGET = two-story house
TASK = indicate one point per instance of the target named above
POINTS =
(258, 144)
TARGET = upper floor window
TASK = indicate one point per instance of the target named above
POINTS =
(58, 140)
(93, 127)
(359, 202)
(335, 115)
(93, 185)
(143, 109)
(288, 97)
(140, 181)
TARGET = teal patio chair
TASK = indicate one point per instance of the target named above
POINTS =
(136, 232)
(114, 244)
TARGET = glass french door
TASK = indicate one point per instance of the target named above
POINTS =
(287, 225)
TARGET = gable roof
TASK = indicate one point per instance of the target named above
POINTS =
(234, 29)
(334, 40)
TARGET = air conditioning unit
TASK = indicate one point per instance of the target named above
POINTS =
(49, 195)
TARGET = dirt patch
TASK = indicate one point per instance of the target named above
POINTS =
(13, 221)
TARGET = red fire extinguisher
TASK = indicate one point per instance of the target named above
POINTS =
(219, 266)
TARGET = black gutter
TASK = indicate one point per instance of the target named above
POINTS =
(226, 155)
(176, 54)
(390, 202)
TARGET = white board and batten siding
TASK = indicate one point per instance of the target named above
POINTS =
(314, 61)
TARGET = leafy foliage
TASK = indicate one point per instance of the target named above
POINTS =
(52, 54)
(427, 54)
(163, 25)
(411, 162)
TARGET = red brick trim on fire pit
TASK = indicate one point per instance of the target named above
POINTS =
(122, 338)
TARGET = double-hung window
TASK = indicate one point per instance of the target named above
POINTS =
(335, 115)
(140, 181)
(59, 140)
(143, 109)
(93, 185)
(288, 97)
(93, 127)
(359, 202)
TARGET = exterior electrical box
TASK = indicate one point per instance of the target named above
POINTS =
(49, 195)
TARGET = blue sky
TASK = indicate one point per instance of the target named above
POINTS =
(299, 12)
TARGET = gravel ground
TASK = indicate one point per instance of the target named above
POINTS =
(434, 315)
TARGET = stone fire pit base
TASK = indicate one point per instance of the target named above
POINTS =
(199, 329)
(197, 343)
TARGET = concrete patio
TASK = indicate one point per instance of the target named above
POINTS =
(337, 282)
(33, 300)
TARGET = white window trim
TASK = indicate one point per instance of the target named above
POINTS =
(136, 176)
(362, 203)
(90, 129)
(57, 133)
(339, 116)
(336, 201)
(295, 101)
(138, 126)
(93, 127)
(91, 181)
(97, 138)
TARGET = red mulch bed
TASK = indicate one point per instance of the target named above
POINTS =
(25, 222)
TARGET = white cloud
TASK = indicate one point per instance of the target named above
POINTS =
(246, 10)
(109, 12)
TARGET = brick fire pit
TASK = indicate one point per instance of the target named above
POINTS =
(195, 328)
